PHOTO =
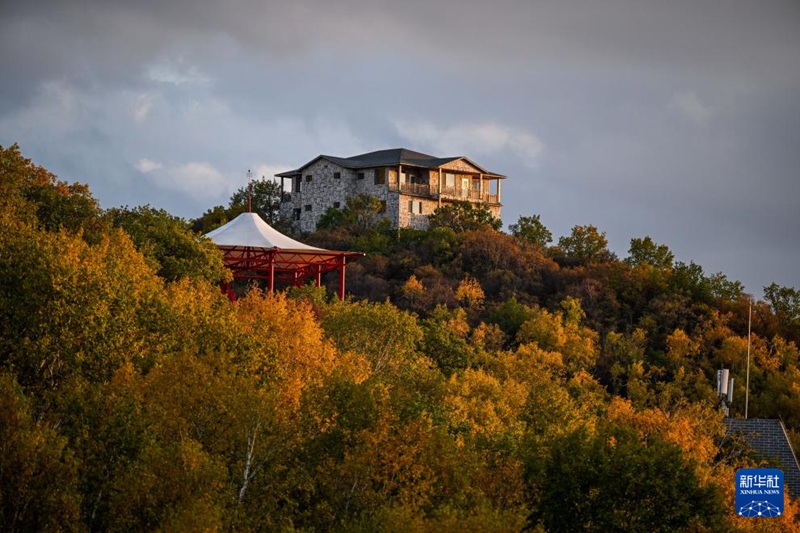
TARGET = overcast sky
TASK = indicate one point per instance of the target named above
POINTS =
(674, 119)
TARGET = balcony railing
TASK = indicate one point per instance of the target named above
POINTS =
(451, 193)
(420, 189)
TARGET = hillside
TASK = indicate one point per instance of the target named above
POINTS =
(476, 380)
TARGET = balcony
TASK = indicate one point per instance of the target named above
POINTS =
(418, 189)
(448, 193)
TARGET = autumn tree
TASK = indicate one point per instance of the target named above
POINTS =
(31, 193)
(38, 471)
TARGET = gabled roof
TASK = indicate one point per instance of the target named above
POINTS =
(385, 158)
(767, 436)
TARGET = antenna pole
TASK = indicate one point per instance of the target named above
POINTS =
(249, 191)
(747, 385)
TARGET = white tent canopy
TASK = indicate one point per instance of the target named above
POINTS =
(252, 249)
(249, 229)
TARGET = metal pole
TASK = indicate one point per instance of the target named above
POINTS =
(747, 385)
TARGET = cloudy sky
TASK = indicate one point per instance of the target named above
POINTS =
(674, 119)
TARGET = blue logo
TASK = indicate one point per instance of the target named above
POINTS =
(759, 492)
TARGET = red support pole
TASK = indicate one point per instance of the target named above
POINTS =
(342, 266)
(319, 276)
(272, 273)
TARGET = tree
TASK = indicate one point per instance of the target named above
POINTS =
(169, 244)
(690, 280)
(531, 230)
(611, 481)
(445, 340)
(363, 214)
(784, 301)
(585, 245)
(31, 193)
(38, 472)
(464, 216)
(646, 251)
(264, 197)
(386, 335)
(724, 289)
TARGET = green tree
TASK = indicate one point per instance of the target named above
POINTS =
(689, 279)
(363, 214)
(646, 251)
(464, 216)
(725, 289)
(531, 229)
(585, 245)
(445, 340)
(386, 335)
(264, 197)
(611, 481)
(784, 301)
(169, 244)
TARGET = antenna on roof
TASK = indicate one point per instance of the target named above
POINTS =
(724, 390)
(249, 191)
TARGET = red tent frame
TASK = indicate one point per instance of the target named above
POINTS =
(293, 266)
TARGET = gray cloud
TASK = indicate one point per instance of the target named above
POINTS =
(675, 119)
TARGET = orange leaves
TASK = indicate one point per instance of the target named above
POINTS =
(486, 405)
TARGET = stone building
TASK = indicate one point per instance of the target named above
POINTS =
(411, 185)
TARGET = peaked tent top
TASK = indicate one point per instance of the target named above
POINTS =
(250, 230)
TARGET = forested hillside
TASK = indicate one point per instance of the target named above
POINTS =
(476, 381)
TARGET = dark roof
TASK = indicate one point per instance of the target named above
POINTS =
(768, 438)
(385, 158)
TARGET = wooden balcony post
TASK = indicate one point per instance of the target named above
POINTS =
(440, 187)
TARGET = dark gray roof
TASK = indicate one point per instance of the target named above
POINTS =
(768, 438)
(385, 158)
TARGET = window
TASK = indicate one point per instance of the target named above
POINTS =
(411, 206)
(308, 177)
(336, 205)
(337, 175)
(450, 180)
(414, 207)
(380, 176)
(296, 183)
(419, 207)
(296, 214)
(307, 207)
(361, 175)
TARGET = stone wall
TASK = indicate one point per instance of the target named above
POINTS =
(320, 190)
(414, 211)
